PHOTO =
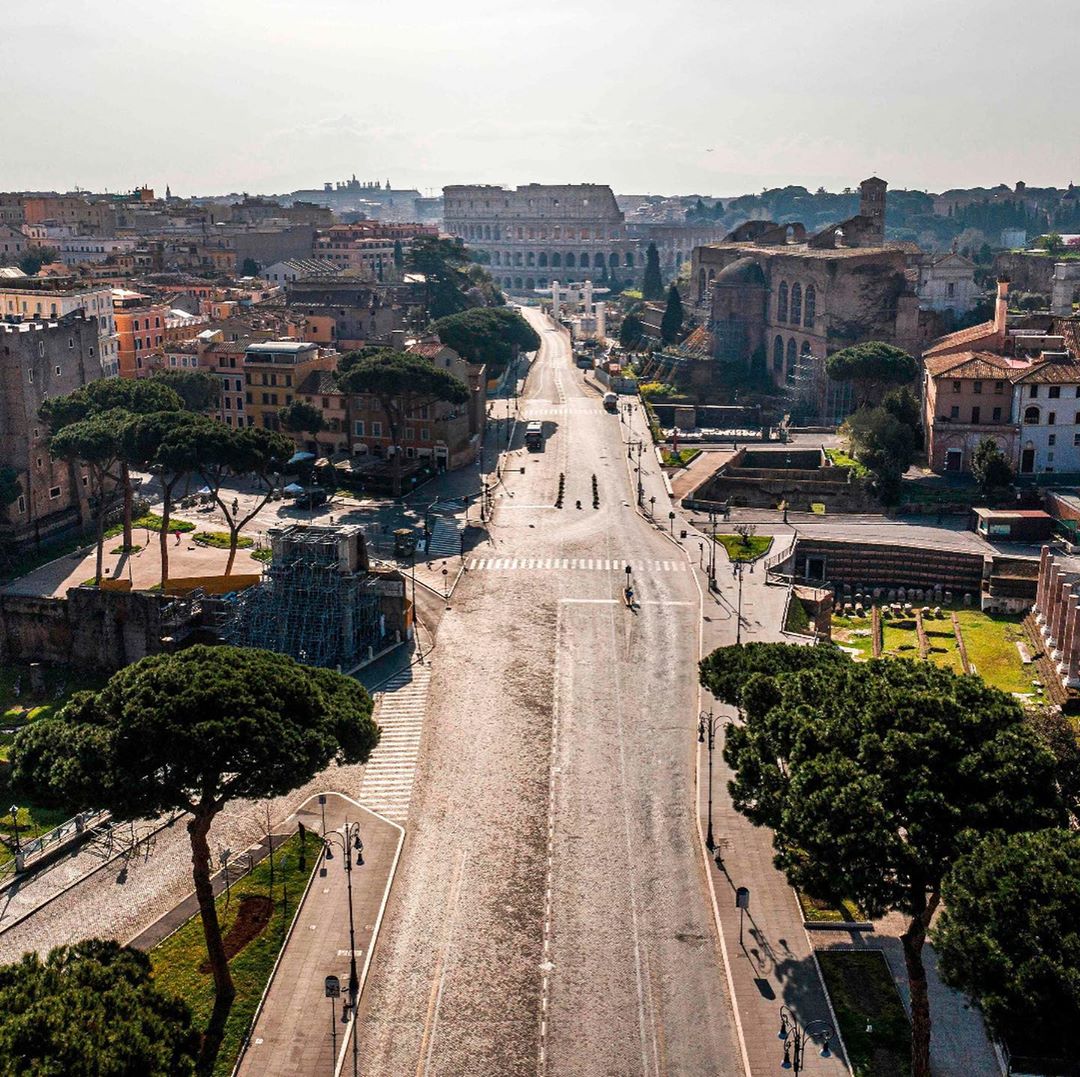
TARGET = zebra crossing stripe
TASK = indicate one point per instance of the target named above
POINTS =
(388, 778)
(579, 564)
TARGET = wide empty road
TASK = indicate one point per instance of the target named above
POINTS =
(550, 915)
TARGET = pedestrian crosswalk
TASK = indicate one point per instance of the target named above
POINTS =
(387, 784)
(445, 538)
(568, 564)
(553, 411)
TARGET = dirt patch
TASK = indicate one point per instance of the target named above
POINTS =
(251, 918)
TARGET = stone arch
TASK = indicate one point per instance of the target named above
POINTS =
(781, 302)
(613, 260)
(796, 303)
(530, 258)
(791, 348)
(497, 232)
(542, 260)
(1031, 415)
(487, 231)
(570, 260)
(517, 282)
(530, 284)
(629, 259)
(517, 258)
(496, 258)
(778, 354)
(507, 283)
(810, 306)
(556, 260)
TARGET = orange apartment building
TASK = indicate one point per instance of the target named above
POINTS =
(140, 331)
(273, 371)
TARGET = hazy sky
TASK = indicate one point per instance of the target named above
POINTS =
(711, 96)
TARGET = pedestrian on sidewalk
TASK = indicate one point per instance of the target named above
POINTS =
(176, 535)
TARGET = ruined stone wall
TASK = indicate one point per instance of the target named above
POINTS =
(89, 629)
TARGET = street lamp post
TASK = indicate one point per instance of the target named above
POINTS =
(712, 553)
(796, 1037)
(671, 522)
(737, 570)
(348, 838)
(706, 734)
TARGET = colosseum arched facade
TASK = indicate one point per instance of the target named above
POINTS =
(538, 233)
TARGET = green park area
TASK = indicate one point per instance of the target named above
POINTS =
(680, 458)
(21, 703)
(745, 547)
(990, 641)
(872, 1020)
(254, 915)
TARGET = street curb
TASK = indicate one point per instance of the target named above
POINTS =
(277, 961)
(374, 931)
(705, 859)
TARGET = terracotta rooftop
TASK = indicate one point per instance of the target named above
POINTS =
(972, 364)
(319, 383)
(429, 349)
(1050, 373)
(961, 340)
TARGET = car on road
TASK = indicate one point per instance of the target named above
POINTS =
(534, 436)
(611, 401)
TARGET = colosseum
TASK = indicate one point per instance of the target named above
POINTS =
(541, 232)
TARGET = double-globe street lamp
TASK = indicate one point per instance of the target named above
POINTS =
(795, 1038)
(348, 839)
(706, 734)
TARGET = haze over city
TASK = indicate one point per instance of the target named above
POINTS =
(709, 96)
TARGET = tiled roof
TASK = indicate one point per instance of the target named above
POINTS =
(429, 349)
(319, 383)
(970, 364)
(1050, 373)
(228, 347)
(961, 340)
(1069, 328)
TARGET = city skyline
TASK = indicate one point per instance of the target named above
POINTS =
(277, 102)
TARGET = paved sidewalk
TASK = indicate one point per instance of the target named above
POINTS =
(295, 1030)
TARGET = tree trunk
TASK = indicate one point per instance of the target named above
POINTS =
(198, 829)
(234, 539)
(103, 508)
(913, 940)
(125, 479)
(163, 536)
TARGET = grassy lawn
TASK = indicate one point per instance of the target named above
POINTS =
(829, 912)
(680, 458)
(750, 549)
(839, 458)
(24, 562)
(150, 522)
(265, 555)
(178, 960)
(16, 710)
(990, 640)
(863, 993)
(219, 540)
(854, 633)
(798, 620)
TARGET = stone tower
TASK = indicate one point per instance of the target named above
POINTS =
(872, 207)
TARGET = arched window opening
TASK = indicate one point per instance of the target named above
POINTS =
(613, 260)
(598, 260)
(542, 260)
(570, 260)
(629, 259)
(530, 284)
(556, 260)
(1031, 415)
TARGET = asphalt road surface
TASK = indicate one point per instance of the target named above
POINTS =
(550, 915)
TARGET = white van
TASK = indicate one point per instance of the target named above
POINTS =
(611, 401)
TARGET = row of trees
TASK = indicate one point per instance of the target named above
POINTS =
(116, 426)
(901, 785)
(185, 732)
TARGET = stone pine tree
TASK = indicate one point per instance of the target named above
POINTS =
(191, 732)
(872, 368)
(135, 396)
(875, 777)
(402, 383)
(96, 444)
(652, 287)
(671, 323)
(1009, 935)
(91, 1009)
(223, 453)
(990, 467)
